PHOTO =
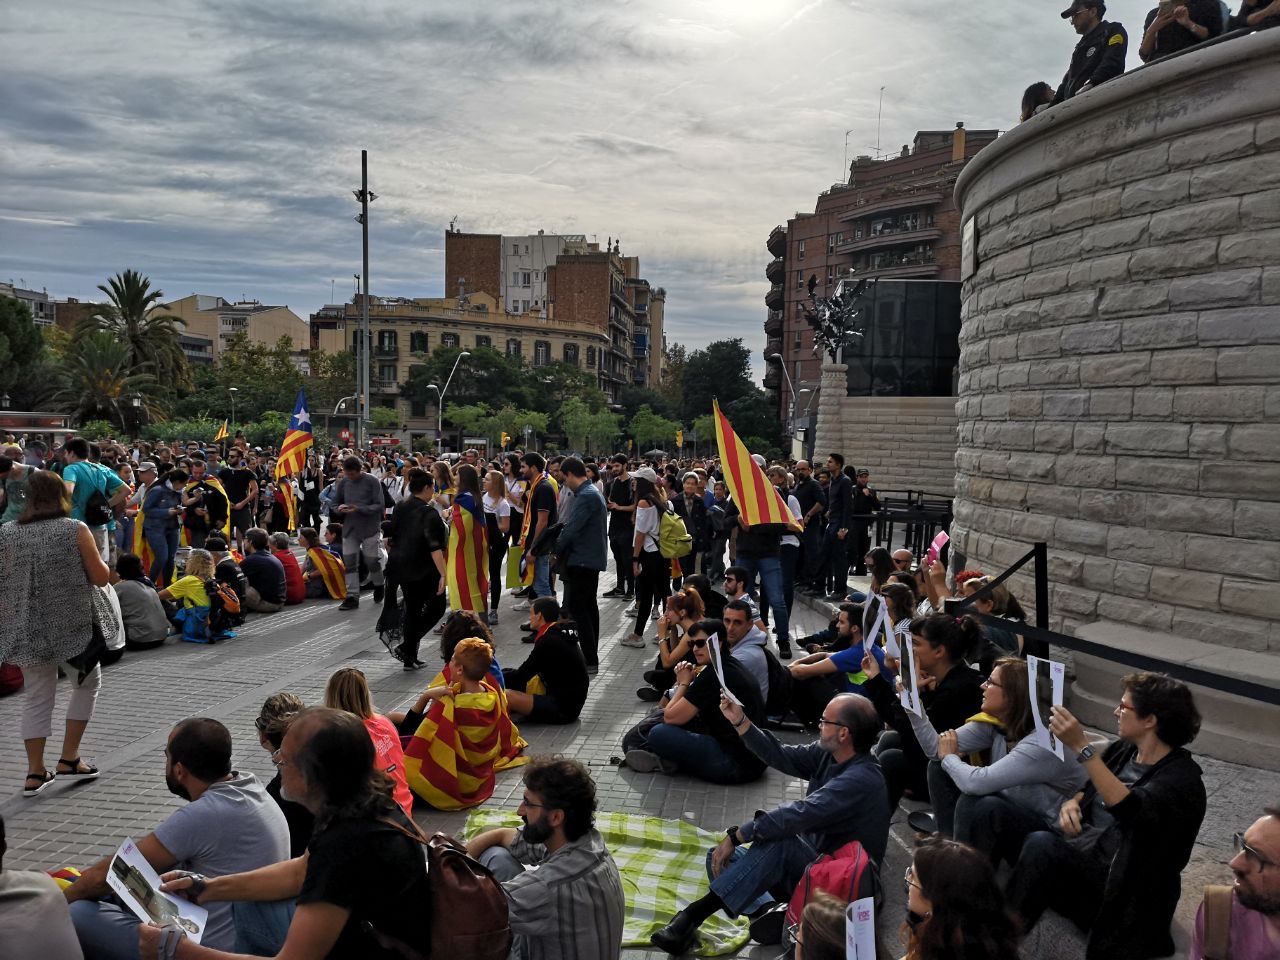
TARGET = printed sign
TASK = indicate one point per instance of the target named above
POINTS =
(718, 667)
(1045, 681)
(860, 930)
(935, 548)
(138, 887)
(909, 695)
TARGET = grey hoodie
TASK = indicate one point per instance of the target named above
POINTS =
(749, 651)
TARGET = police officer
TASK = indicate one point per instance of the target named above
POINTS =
(1099, 55)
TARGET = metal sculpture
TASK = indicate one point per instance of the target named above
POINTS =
(835, 319)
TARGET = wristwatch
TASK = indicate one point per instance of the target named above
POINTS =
(1086, 754)
(732, 834)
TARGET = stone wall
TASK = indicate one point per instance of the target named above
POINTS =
(908, 443)
(1120, 350)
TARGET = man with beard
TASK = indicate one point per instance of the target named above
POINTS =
(209, 513)
(572, 905)
(229, 825)
(1253, 919)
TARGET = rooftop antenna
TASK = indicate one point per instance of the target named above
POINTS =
(453, 224)
(332, 284)
(845, 172)
(879, 112)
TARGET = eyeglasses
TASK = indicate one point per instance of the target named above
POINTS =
(991, 683)
(1127, 706)
(909, 879)
(260, 724)
(824, 722)
(277, 760)
(793, 935)
(1250, 853)
(525, 802)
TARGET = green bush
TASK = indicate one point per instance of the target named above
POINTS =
(200, 429)
(98, 430)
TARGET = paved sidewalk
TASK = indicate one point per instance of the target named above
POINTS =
(298, 649)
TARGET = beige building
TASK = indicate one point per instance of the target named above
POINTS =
(219, 320)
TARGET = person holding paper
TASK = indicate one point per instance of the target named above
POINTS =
(845, 800)
(817, 678)
(1022, 786)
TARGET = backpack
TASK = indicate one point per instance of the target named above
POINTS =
(463, 887)
(97, 510)
(224, 606)
(849, 874)
(779, 700)
(1217, 922)
(11, 679)
(674, 538)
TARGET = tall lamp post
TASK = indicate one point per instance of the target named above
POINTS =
(135, 402)
(364, 196)
(440, 394)
(233, 391)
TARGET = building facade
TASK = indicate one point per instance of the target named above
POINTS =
(219, 321)
(43, 310)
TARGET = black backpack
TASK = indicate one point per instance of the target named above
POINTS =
(779, 700)
(97, 509)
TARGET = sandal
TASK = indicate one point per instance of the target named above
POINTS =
(41, 780)
(79, 770)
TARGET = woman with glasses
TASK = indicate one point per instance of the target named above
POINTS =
(954, 906)
(271, 723)
(1115, 868)
(820, 934)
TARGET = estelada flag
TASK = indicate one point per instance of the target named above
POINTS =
(293, 453)
(140, 545)
(757, 500)
(222, 432)
(468, 561)
(332, 571)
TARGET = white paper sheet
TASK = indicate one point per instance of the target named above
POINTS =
(1045, 682)
(138, 887)
(718, 667)
(910, 695)
(860, 930)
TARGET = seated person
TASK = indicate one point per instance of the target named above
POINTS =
(226, 569)
(333, 539)
(265, 574)
(1021, 787)
(714, 601)
(229, 824)
(818, 677)
(364, 870)
(684, 609)
(461, 625)
(466, 735)
(142, 610)
(348, 690)
(671, 738)
(996, 641)
(573, 904)
(735, 588)
(1254, 917)
(272, 723)
(1115, 868)
(295, 589)
(323, 573)
(954, 905)
(747, 642)
(561, 676)
(845, 800)
(1255, 14)
(188, 591)
(34, 923)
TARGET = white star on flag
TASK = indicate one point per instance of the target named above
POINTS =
(303, 417)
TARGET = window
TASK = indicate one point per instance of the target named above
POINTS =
(515, 306)
(796, 341)
(417, 408)
(591, 357)
(418, 342)
(515, 249)
(515, 279)
(800, 250)
(571, 353)
(799, 278)
(513, 348)
(524, 306)
(839, 239)
(448, 340)
(796, 376)
(387, 372)
(386, 339)
(541, 353)
(483, 341)
(526, 278)
(831, 275)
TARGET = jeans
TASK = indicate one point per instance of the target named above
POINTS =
(813, 557)
(757, 875)
(697, 755)
(352, 549)
(1051, 874)
(164, 547)
(505, 867)
(838, 561)
(789, 556)
(542, 576)
(771, 590)
(106, 930)
(261, 927)
(497, 566)
(900, 770)
(583, 608)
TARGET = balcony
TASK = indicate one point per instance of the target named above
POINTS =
(777, 243)
(775, 270)
(919, 266)
(773, 377)
(773, 299)
(891, 238)
(386, 350)
(890, 202)
(773, 322)
(385, 386)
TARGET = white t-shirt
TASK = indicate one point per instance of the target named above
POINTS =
(499, 506)
(794, 506)
(648, 524)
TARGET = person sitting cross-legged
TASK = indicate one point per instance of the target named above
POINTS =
(295, 588)
(572, 906)
(34, 923)
(845, 800)
(818, 677)
(551, 685)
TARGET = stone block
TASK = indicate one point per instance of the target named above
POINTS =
(1271, 409)
(1132, 579)
(1113, 506)
(1208, 441)
(1174, 260)
(1098, 573)
(1040, 283)
(1032, 466)
(1054, 499)
(1168, 439)
(1107, 204)
(1143, 473)
(1152, 403)
(1012, 375)
(1253, 559)
(1250, 326)
(1025, 405)
(1224, 404)
(1141, 613)
(1074, 600)
(1233, 478)
(1154, 192)
(1111, 404)
(1070, 306)
(1256, 519)
(1065, 567)
(1070, 214)
(1082, 179)
(1074, 470)
(1218, 143)
(1038, 344)
(1022, 316)
(1008, 493)
(1260, 209)
(1251, 598)
(1105, 270)
(1124, 369)
(1262, 247)
(1267, 134)
(1030, 527)
(1159, 333)
(995, 406)
(1053, 437)
(1259, 172)
(1271, 284)
(1209, 290)
(1002, 349)
(1030, 227)
(1235, 632)
(1143, 163)
(1183, 366)
(1056, 250)
(1065, 404)
(1038, 196)
(1195, 220)
(1090, 338)
(994, 464)
(1255, 441)
(1045, 373)
(1139, 545)
(1011, 263)
(1014, 435)
(1089, 438)
(1117, 235)
(1189, 514)
(1132, 298)
(1186, 588)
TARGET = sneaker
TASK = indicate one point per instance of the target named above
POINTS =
(784, 651)
(648, 694)
(379, 591)
(410, 665)
(836, 597)
(629, 595)
(492, 618)
(520, 605)
(642, 761)
(526, 627)
(633, 640)
(652, 678)
(351, 603)
(653, 614)
(518, 591)
(612, 594)
(630, 611)
(593, 669)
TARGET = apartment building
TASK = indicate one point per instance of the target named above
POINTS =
(219, 321)
(43, 310)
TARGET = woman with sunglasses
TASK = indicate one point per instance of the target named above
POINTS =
(954, 906)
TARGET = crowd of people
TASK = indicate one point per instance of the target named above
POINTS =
(325, 859)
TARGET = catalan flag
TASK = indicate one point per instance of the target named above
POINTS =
(757, 500)
(468, 560)
(222, 432)
(293, 453)
(333, 572)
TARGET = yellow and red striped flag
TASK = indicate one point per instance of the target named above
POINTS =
(468, 561)
(333, 572)
(222, 432)
(757, 500)
(293, 453)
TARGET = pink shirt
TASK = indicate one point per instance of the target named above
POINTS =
(1252, 938)
(389, 758)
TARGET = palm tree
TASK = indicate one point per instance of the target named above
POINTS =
(99, 381)
(151, 337)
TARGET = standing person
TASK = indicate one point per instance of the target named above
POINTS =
(497, 521)
(84, 478)
(348, 690)
(651, 569)
(358, 500)
(1099, 56)
(241, 486)
(839, 521)
(692, 510)
(788, 549)
(515, 489)
(541, 513)
(468, 559)
(161, 511)
(15, 476)
(759, 552)
(418, 541)
(808, 493)
(721, 528)
(582, 547)
(50, 565)
(622, 511)
(865, 504)
(310, 483)
(124, 512)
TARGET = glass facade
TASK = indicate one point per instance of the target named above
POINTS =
(911, 346)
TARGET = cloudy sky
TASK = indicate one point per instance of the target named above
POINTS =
(213, 144)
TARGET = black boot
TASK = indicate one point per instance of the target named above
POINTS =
(677, 937)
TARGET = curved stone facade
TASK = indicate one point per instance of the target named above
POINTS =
(1120, 350)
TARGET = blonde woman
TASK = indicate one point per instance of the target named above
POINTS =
(445, 487)
(348, 690)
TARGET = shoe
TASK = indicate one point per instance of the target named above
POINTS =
(766, 926)
(633, 640)
(351, 603)
(492, 618)
(520, 605)
(593, 669)
(649, 694)
(836, 597)
(379, 591)
(526, 627)
(922, 821)
(630, 611)
(677, 937)
(652, 679)
(784, 651)
(42, 781)
(410, 665)
(90, 772)
(642, 761)
(629, 595)
(653, 614)
(611, 594)
(440, 627)
(517, 592)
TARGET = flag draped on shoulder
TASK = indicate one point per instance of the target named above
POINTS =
(468, 560)
(757, 499)
(293, 453)
(333, 572)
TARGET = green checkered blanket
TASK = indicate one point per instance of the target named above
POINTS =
(663, 868)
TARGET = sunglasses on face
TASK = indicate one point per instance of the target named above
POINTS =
(698, 644)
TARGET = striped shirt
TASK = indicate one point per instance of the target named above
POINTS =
(571, 907)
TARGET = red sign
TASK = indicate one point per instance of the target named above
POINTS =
(345, 435)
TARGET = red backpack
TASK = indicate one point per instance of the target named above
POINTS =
(849, 874)
(11, 679)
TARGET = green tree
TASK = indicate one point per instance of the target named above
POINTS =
(99, 382)
(650, 430)
(576, 421)
(21, 349)
(631, 399)
(674, 361)
(555, 383)
(150, 336)
(486, 376)
(752, 415)
(603, 428)
(384, 418)
(268, 430)
(720, 371)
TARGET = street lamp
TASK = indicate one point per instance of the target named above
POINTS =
(528, 429)
(135, 402)
(4, 401)
(440, 401)
(233, 391)
(364, 196)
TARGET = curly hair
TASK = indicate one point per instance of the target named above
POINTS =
(276, 714)
(564, 785)
(461, 625)
(1170, 701)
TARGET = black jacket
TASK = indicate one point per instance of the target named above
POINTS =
(949, 705)
(416, 532)
(1174, 37)
(840, 502)
(559, 661)
(695, 522)
(1158, 823)
(1098, 57)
